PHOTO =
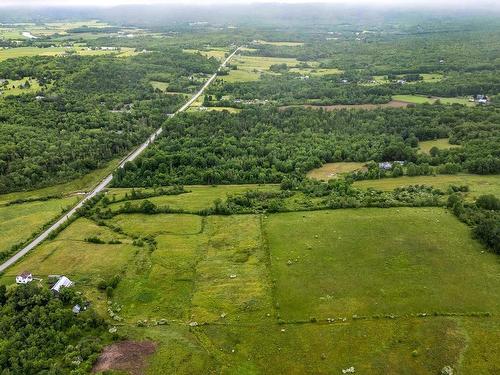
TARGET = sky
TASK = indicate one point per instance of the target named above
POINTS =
(110, 3)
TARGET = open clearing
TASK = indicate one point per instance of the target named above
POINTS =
(18, 87)
(282, 44)
(420, 99)
(406, 290)
(251, 67)
(218, 53)
(478, 184)
(333, 170)
(442, 144)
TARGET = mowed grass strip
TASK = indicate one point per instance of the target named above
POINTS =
(232, 281)
(378, 261)
(19, 221)
(478, 184)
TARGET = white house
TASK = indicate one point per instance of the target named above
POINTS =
(24, 278)
(62, 282)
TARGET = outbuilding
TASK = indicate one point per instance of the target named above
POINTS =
(24, 278)
(62, 282)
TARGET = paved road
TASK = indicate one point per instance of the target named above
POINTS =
(104, 183)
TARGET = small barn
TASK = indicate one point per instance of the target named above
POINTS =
(63, 282)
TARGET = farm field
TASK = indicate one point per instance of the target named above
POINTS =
(10, 53)
(15, 31)
(419, 99)
(478, 184)
(251, 67)
(253, 294)
(442, 144)
(198, 197)
(218, 53)
(282, 44)
(333, 170)
(19, 221)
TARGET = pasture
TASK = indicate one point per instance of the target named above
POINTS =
(334, 170)
(19, 221)
(403, 290)
(478, 184)
(197, 198)
(250, 68)
(420, 99)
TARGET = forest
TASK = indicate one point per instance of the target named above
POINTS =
(88, 111)
(262, 146)
(39, 334)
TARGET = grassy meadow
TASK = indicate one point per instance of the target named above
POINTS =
(401, 290)
(17, 87)
(334, 170)
(442, 144)
(197, 198)
(420, 99)
(19, 221)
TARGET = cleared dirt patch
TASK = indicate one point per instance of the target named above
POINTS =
(391, 104)
(333, 170)
(128, 356)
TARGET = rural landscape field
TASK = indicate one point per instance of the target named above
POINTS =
(239, 188)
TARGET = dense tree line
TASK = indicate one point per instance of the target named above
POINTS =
(39, 334)
(259, 146)
(89, 111)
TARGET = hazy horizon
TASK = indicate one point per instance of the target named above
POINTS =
(372, 3)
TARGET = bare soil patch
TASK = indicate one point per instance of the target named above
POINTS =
(391, 104)
(128, 356)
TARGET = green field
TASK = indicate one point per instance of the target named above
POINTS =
(218, 53)
(478, 184)
(442, 144)
(19, 221)
(282, 44)
(17, 87)
(408, 290)
(250, 68)
(333, 170)
(419, 99)
(197, 198)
